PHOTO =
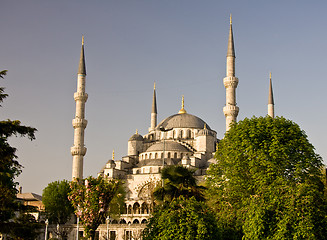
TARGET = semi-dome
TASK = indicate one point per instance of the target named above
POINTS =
(169, 146)
(183, 121)
(136, 137)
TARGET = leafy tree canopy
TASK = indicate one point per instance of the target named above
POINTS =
(178, 181)
(9, 166)
(267, 182)
(92, 199)
(55, 199)
(182, 219)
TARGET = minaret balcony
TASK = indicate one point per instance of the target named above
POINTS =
(79, 123)
(78, 150)
(231, 110)
(230, 82)
(80, 96)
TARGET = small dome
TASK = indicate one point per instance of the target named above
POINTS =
(111, 164)
(169, 146)
(136, 137)
(183, 121)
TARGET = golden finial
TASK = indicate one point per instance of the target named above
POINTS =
(113, 154)
(230, 19)
(82, 39)
(137, 132)
(216, 146)
(154, 86)
(182, 111)
(270, 75)
(205, 126)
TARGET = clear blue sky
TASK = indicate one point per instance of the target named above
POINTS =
(129, 44)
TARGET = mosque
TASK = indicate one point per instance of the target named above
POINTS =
(180, 139)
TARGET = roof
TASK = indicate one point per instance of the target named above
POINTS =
(169, 146)
(183, 121)
(29, 196)
(136, 136)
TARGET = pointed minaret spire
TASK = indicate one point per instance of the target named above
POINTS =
(271, 105)
(230, 48)
(182, 111)
(81, 67)
(154, 110)
(78, 151)
(230, 82)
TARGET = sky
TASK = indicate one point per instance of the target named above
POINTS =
(130, 44)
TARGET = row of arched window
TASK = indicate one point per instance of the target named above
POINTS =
(178, 134)
(144, 156)
(123, 221)
(136, 208)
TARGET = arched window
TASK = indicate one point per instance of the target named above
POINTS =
(181, 155)
(144, 221)
(150, 155)
(129, 209)
(144, 208)
(182, 134)
(122, 221)
(136, 208)
(175, 155)
(189, 133)
(114, 221)
(168, 155)
(136, 221)
(156, 156)
(174, 133)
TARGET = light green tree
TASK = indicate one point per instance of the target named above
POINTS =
(267, 182)
(182, 219)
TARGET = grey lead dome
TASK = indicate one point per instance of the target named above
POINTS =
(183, 121)
(169, 146)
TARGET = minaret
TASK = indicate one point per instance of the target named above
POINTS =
(271, 108)
(230, 82)
(79, 123)
(154, 110)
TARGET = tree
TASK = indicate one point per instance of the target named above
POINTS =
(178, 181)
(57, 205)
(24, 225)
(182, 219)
(58, 208)
(9, 166)
(267, 182)
(92, 200)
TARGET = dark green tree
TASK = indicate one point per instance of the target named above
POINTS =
(9, 166)
(182, 219)
(24, 225)
(267, 182)
(178, 181)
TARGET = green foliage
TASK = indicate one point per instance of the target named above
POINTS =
(178, 181)
(92, 199)
(24, 227)
(9, 166)
(55, 199)
(182, 219)
(267, 182)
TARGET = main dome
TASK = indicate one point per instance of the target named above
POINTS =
(184, 120)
